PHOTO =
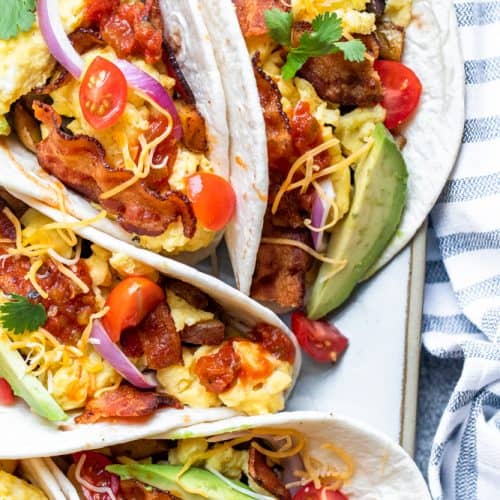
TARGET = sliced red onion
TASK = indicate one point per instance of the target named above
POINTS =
(56, 39)
(320, 211)
(290, 466)
(140, 80)
(115, 357)
(63, 51)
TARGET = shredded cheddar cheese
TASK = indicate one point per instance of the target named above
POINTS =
(35, 266)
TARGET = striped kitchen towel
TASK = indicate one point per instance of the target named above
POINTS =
(462, 293)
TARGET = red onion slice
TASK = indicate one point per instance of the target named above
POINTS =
(115, 357)
(56, 39)
(140, 80)
(320, 211)
(290, 466)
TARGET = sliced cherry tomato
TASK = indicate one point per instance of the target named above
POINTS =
(103, 93)
(402, 90)
(129, 303)
(6, 394)
(319, 339)
(213, 199)
(309, 492)
(94, 472)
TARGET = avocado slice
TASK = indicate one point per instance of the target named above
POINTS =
(361, 237)
(163, 477)
(25, 385)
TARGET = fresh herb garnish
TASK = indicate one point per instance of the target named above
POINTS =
(17, 15)
(322, 40)
(19, 315)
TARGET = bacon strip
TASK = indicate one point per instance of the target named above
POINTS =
(204, 333)
(265, 476)
(79, 162)
(160, 340)
(251, 14)
(189, 293)
(278, 130)
(125, 402)
(218, 371)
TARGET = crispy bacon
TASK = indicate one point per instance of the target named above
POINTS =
(280, 270)
(79, 162)
(265, 476)
(125, 402)
(7, 229)
(173, 69)
(251, 14)
(278, 130)
(205, 333)
(68, 308)
(218, 371)
(135, 490)
(189, 293)
(160, 340)
(340, 81)
(273, 340)
(194, 132)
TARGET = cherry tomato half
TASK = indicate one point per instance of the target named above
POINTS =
(129, 303)
(402, 91)
(309, 492)
(103, 93)
(213, 199)
(6, 394)
(319, 339)
(94, 471)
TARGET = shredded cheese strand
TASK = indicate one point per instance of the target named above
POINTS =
(35, 266)
(72, 276)
(84, 339)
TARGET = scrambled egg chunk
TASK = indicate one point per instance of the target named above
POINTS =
(183, 313)
(126, 266)
(186, 449)
(14, 488)
(25, 61)
(398, 12)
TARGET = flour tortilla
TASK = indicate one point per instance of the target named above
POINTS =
(186, 33)
(383, 470)
(37, 437)
(432, 50)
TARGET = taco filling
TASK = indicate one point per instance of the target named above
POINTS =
(82, 328)
(262, 463)
(115, 120)
(15, 485)
(328, 76)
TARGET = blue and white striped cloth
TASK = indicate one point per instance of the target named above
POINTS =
(462, 292)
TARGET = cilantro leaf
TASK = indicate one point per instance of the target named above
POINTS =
(279, 25)
(20, 315)
(321, 40)
(17, 15)
(354, 50)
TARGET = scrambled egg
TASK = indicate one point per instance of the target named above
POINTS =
(356, 126)
(354, 20)
(14, 488)
(74, 383)
(258, 395)
(35, 233)
(183, 313)
(229, 462)
(25, 61)
(126, 266)
(98, 266)
(4, 126)
(398, 12)
(252, 395)
(181, 381)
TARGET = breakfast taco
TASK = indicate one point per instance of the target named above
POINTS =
(297, 456)
(95, 330)
(335, 84)
(115, 109)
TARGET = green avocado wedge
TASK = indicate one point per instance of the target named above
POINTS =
(25, 385)
(163, 477)
(361, 237)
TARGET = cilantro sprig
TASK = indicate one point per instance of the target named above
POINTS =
(19, 315)
(17, 15)
(323, 39)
